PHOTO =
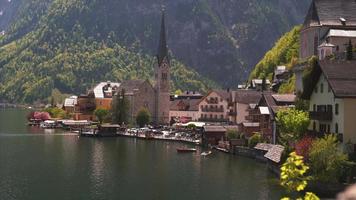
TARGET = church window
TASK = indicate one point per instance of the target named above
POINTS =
(164, 76)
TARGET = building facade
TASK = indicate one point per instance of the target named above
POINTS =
(333, 99)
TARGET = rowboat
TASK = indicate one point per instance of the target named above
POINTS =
(206, 153)
(186, 150)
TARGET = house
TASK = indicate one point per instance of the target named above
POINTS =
(257, 84)
(70, 104)
(184, 110)
(214, 106)
(332, 96)
(212, 134)
(83, 106)
(280, 75)
(262, 116)
(103, 94)
(327, 20)
(240, 103)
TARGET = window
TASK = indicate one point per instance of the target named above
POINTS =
(322, 128)
(164, 76)
(314, 126)
(202, 116)
(328, 130)
(314, 107)
(336, 109)
(321, 88)
(221, 116)
(336, 128)
(211, 116)
(329, 88)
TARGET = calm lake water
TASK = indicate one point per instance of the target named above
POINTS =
(37, 164)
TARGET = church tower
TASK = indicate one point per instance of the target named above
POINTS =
(162, 78)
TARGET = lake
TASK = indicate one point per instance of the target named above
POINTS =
(40, 164)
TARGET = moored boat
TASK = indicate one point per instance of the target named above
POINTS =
(206, 153)
(186, 150)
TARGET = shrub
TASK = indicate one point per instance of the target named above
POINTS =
(254, 140)
(232, 134)
(101, 114)
(302, 147)
(327, 162)
(143, 117)
(293, 124)
(293, 176)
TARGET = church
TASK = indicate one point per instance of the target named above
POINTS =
(155, 98)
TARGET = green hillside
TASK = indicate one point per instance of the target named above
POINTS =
(221, 40)
(284, 52)
(62, 52)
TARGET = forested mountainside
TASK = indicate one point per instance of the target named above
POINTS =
(285, 52)
(70, 44)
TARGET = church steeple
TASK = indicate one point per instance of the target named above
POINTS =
(162, 46)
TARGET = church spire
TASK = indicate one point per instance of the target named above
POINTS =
(162, 46)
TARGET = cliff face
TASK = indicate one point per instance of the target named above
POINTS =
(221, 40)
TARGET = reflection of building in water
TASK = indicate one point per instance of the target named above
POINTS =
(97, 164)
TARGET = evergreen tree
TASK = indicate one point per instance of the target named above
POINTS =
(349, 53)
(120, 108)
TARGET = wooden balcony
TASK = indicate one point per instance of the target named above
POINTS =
(212, 110)
(321, 115)
(232, 113)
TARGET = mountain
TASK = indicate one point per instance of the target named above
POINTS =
(222, 40)
(284, 52)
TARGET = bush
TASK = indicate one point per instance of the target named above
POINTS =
(327, 162)
(232, 134)
(302, 147)
(56, 112)
(254, 140)
(143, 117)
(293, 124)
(101, 114)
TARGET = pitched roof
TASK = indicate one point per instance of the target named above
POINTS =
(162, 45)
(330, 12)
(341, 33)
(284, 98)
(247, 96)
(223, 93)
(341, 76)
(99, 91)
(191, 104)
(130, 85)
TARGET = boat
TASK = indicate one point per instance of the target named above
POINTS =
(48, 124)
(206, 153)
(186, 150)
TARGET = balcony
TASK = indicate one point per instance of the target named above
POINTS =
(232, 113)
(212, 101)
(212, 110)
(213, 120)
(321, 115)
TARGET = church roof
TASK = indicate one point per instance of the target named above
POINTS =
(331, 13)
(162, 46)
(130, 85)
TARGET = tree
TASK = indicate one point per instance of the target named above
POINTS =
(143, 117)
(293, 176)
(120, 108)
(232, 134)
(101, 114)
(328, 163)
(349, 51)
(292, 124)
(254, 140)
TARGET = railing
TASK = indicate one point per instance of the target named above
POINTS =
(213, 120)
(232, 113)
(321, 115)
(212, 110)
(212, 101)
